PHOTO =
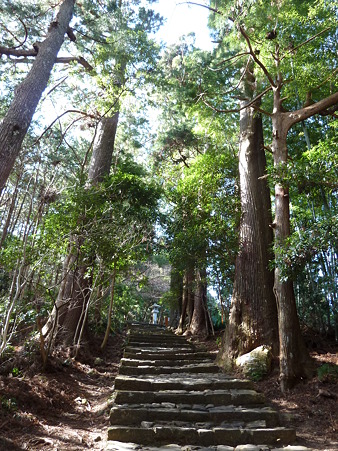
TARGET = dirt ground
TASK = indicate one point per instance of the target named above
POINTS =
(63, 408)
(66, 407)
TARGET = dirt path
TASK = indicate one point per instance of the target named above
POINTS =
(65, 408)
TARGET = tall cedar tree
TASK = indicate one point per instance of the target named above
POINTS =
(15, 124)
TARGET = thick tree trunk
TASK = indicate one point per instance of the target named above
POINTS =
(15, 124)
(295, 362)
(200, 321)
(253, 313)
(75, 289)
(103, 151)
(187, 300)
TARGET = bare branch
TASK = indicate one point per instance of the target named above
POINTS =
(63, 114)
(14, 51)
(330, 104)
(70, 34)
(203, 6)
(26, 53)
(237, 110)
(59, 82)
(26, 33)
(238, 55)
(79, 59)
(254, 57)
(293, 49)
(326, 79)
(241, 78)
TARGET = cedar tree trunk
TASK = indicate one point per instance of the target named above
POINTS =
(200, 322)
(75, 288)
(295, 362)
(253, 313)
(15, 124)
(187, 299)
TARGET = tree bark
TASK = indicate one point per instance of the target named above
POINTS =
(295, 362)
(253, 313)
(200, 321)
(75, 288)
(15, 124)
(187, 299)
(103, 150)
(293, 355)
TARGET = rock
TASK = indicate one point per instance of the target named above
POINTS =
(257, 363)
(98, 361)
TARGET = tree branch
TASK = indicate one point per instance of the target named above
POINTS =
(26, 53)
(65, 112)
(26, 33)
(293, 49)
(254, 57)
(14, 51)
(203, 6)
(79, 59)
(237, 110)
(330, 103)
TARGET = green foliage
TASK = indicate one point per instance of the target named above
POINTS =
(328, 373)
(16, 372)
(219, 342)
(256, 373)
(114, 217)
(9, 404)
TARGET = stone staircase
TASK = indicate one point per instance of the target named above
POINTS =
(169, 395)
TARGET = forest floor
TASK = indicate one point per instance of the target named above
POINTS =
(66, 407)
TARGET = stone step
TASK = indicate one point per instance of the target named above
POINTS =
(214, 397)
(206, 416)
(161, 349)
(180, 382)
(161, 435)
(151, 369)
(170, 395)
(140, 362)
(119, 446)
(159, 344)
(160, 355)
(167, 336)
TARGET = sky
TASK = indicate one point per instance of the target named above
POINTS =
(181, 19)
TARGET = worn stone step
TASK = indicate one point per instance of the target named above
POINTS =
(151, 369)
(134, 414)
(208, 397)
(154, 337)
(172, 349)
(169, 394)
(160, 355)
(139, 362)
(160, 345)
(180, 382)
(119, 446)
(161, 435)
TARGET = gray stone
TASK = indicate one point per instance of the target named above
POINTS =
(257, 362)
(147, 424)
(248, 448)
(293, 448)
(175, 398)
